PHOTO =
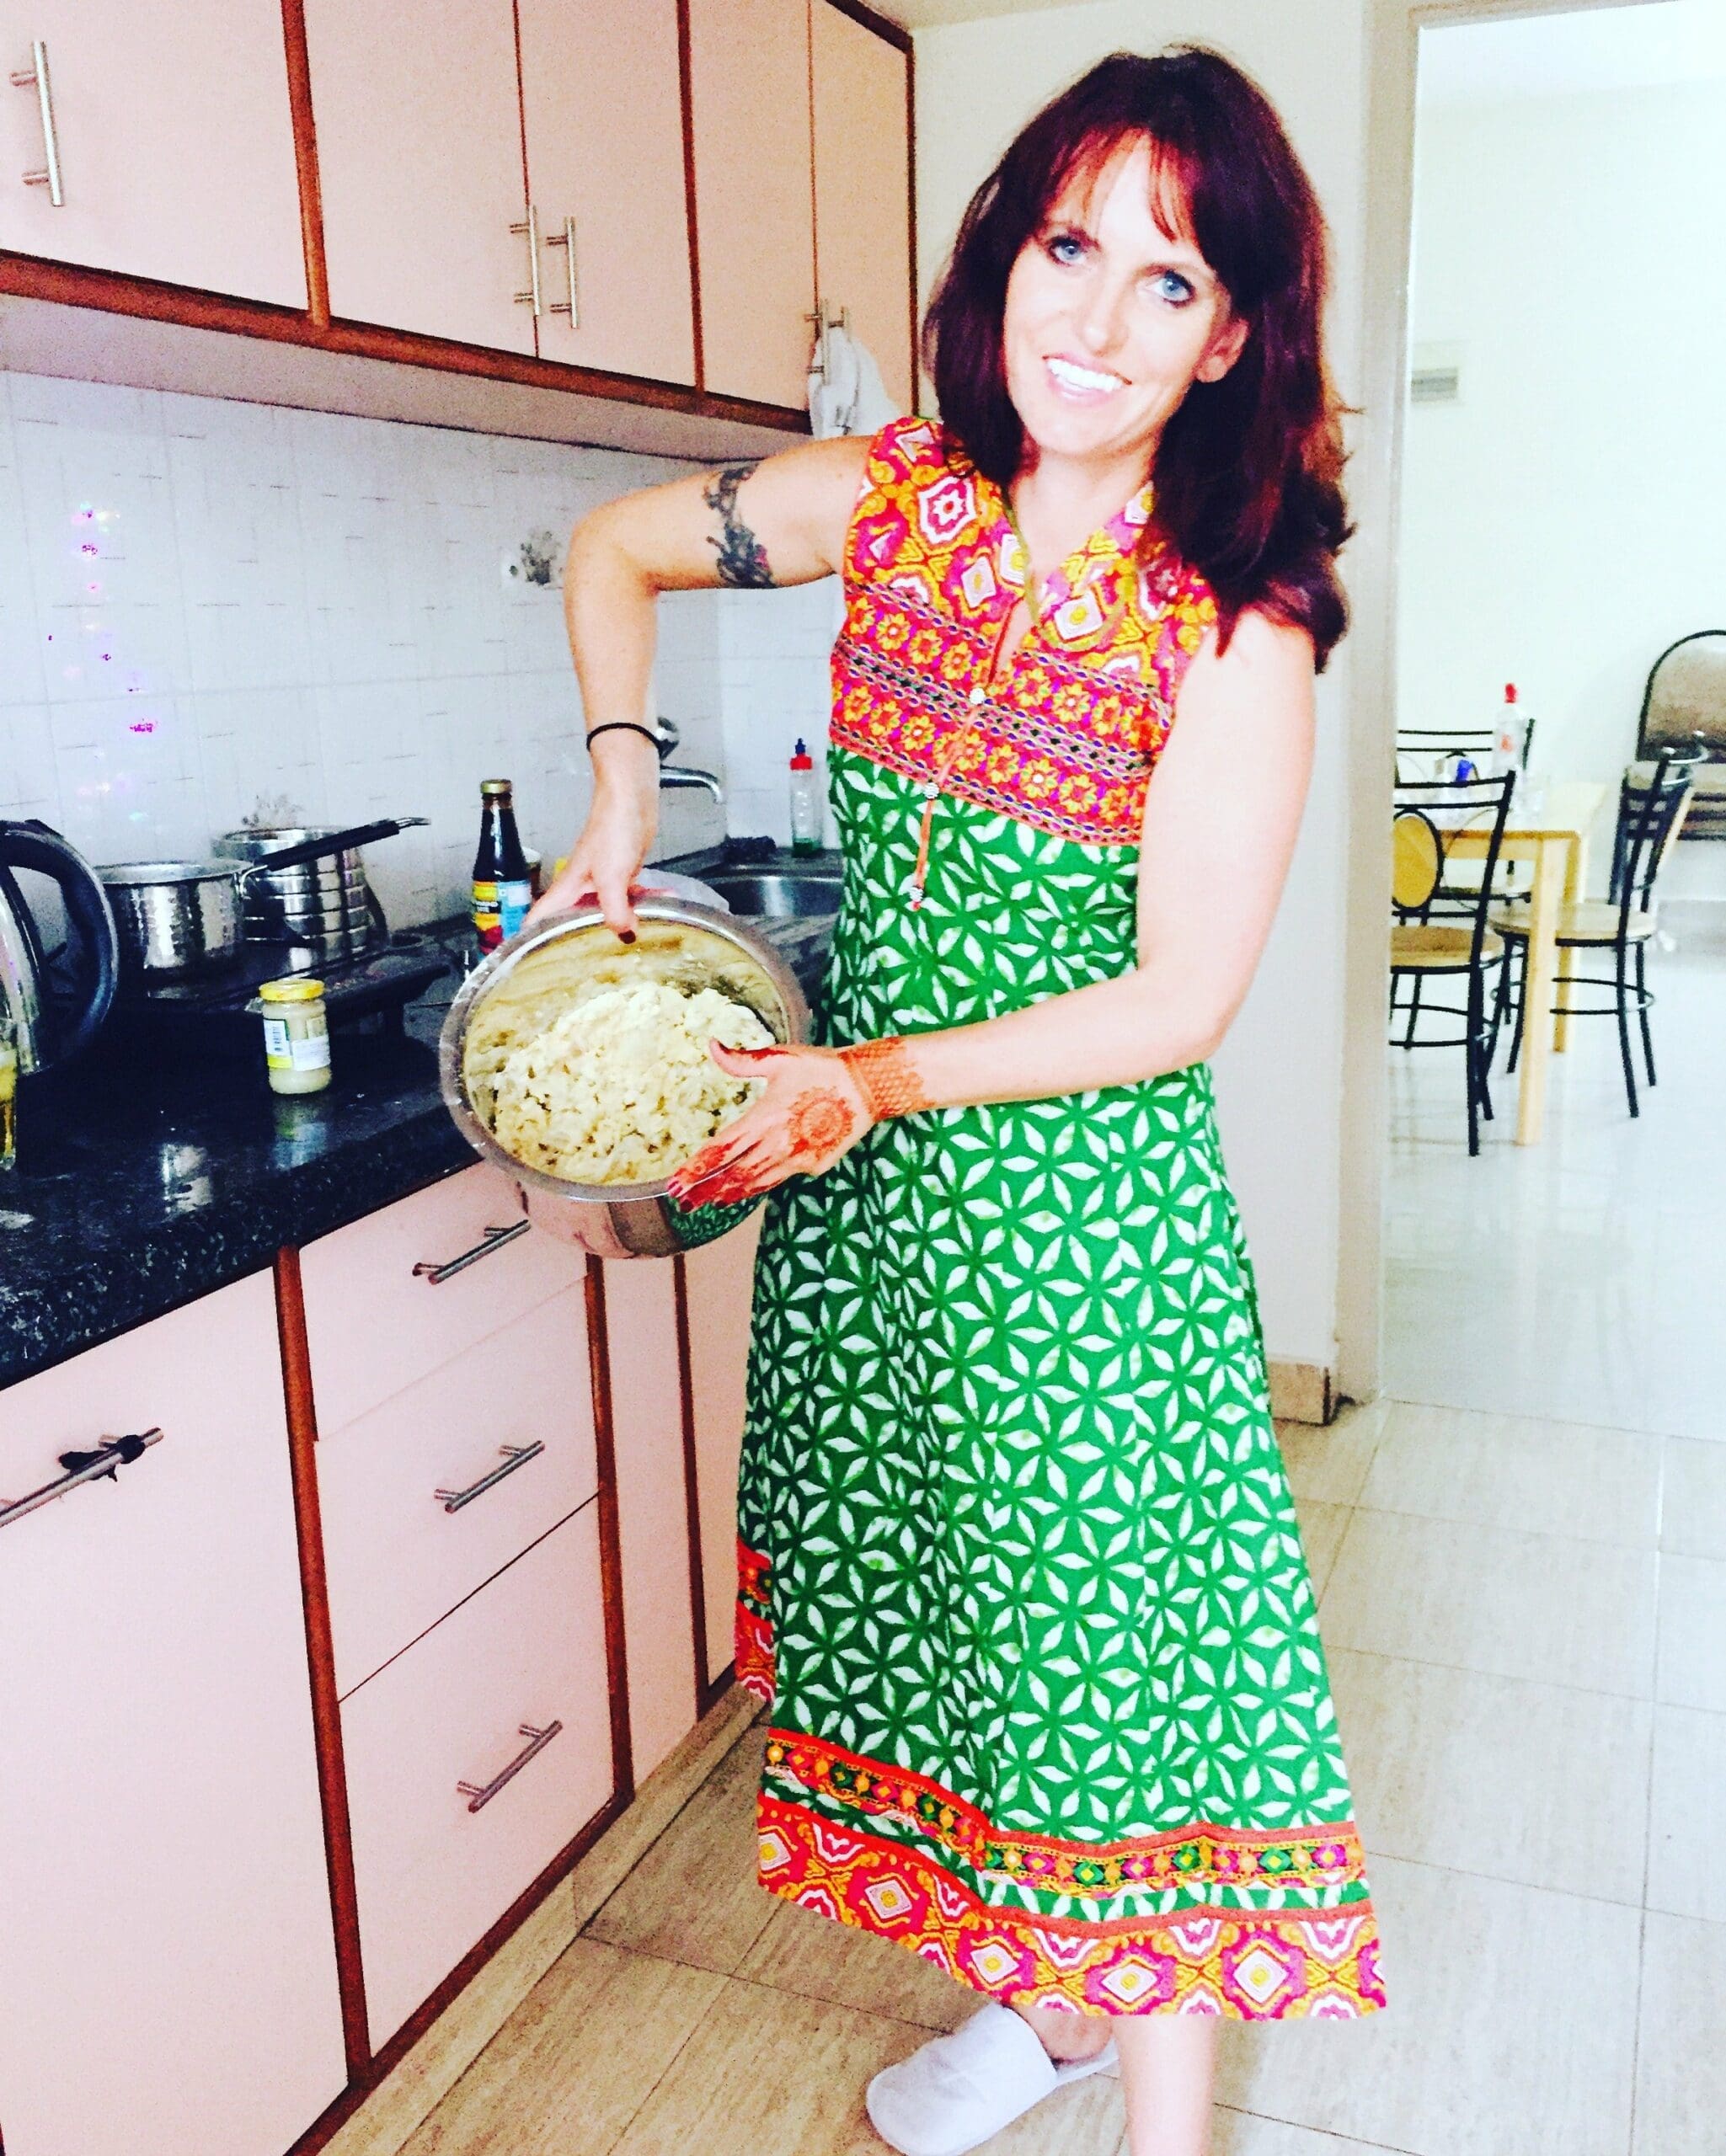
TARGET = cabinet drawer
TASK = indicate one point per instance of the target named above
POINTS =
(432, 1875)
(374, 1325)
(398, 1557)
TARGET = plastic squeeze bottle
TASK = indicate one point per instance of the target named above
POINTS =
(806, 804)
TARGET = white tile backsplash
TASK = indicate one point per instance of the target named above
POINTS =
(211, 609)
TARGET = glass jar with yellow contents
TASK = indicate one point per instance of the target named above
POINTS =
(296, 1033)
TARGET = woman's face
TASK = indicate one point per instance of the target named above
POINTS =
(1110, 320)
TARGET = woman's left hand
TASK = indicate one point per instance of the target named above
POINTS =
(808, 1114)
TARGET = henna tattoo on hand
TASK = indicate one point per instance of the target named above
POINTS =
(818, 1120)
(742, 558)
(885, 1076)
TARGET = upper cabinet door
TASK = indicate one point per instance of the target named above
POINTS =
(419, 125)
(754, 214)
(602, 101)
(170, 137)
(862, 189)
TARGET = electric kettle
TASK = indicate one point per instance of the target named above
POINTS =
(55, 999)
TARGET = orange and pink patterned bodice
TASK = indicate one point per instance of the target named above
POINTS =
(1065, 734)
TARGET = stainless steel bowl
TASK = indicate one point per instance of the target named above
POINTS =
(678, 939)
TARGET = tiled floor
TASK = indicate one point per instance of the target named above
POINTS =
(1523, 1592)
(1579, 1278)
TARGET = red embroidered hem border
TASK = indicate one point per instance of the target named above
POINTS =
(1200, 1855)
(1248, 1966)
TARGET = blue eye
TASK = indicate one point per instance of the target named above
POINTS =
(1066, 247)
(1169, 285)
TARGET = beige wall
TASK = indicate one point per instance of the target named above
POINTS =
(1279, 1075)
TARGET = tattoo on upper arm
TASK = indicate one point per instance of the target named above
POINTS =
(742, 558)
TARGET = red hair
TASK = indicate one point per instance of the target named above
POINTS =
(1247, 473)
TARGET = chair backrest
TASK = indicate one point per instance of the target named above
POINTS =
(1418, 854)
(1423, 752)
(1650, 810)
(1684, 703)
(1445, 806)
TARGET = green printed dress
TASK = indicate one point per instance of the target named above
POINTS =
(1018, 1567)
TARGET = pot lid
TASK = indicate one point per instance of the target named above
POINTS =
(169, 871)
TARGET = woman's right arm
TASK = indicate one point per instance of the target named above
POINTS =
(751, 526)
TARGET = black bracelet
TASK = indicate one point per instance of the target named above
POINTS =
(627, 725)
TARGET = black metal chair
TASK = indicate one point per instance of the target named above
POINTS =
(1455, 945)
(1420, 749)
(1684, 712)
(1650, 810)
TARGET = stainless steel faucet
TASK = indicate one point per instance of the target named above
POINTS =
(673, 775)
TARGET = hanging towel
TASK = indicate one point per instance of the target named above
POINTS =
(847, 397)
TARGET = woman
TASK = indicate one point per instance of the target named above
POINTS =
(1020, 1566)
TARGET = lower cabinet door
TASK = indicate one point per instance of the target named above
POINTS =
(168, 1976)
(458, 1796)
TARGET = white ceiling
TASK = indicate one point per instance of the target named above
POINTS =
(1557, 55)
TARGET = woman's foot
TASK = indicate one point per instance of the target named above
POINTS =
(1069, 2039)
(959, 2091)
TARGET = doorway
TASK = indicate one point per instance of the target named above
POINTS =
(1563, 442)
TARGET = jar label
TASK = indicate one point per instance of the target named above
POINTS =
(276, 1052)
(513, 902)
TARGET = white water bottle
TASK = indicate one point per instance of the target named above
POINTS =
(1512, 733)
(806, 804)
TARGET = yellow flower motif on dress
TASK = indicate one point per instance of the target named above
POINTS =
(1002, 763)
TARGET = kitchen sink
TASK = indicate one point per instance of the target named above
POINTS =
(777, 894)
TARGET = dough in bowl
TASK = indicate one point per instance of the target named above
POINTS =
(618, 1087)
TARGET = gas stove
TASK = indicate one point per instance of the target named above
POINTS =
(209, 1011)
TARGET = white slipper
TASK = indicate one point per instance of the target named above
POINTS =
(957, 2091)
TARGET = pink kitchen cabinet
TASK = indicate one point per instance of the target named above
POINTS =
(721, 1279)
(431, 1493)
(407, 1289)
(168, 134)
(419, 124)
(515, 1678)
(862, 189)
(755, 216)
(653, 1505)
(168, 1972)
(602, 114)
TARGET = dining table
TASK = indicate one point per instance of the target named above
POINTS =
(1549, 827)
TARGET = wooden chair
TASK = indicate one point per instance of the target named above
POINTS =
(1650, 811)
(1426, 949)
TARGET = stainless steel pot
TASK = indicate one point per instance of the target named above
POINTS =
(327, 904)
(678, 939)
(180, 917)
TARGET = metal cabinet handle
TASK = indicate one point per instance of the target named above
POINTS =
(478, 1795)
(566, 240)
(515, 1456)
(35, 78)
(111, 1453)
(532, 296)
(825, 317)
(429, 1269)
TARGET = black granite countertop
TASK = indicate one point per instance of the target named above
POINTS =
(144, 1181)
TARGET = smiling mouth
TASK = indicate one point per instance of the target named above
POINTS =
(1073, 380)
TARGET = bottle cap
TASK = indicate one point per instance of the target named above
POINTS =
(1509, 692)
(297, 988)
(496, 785)
(801, 760)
